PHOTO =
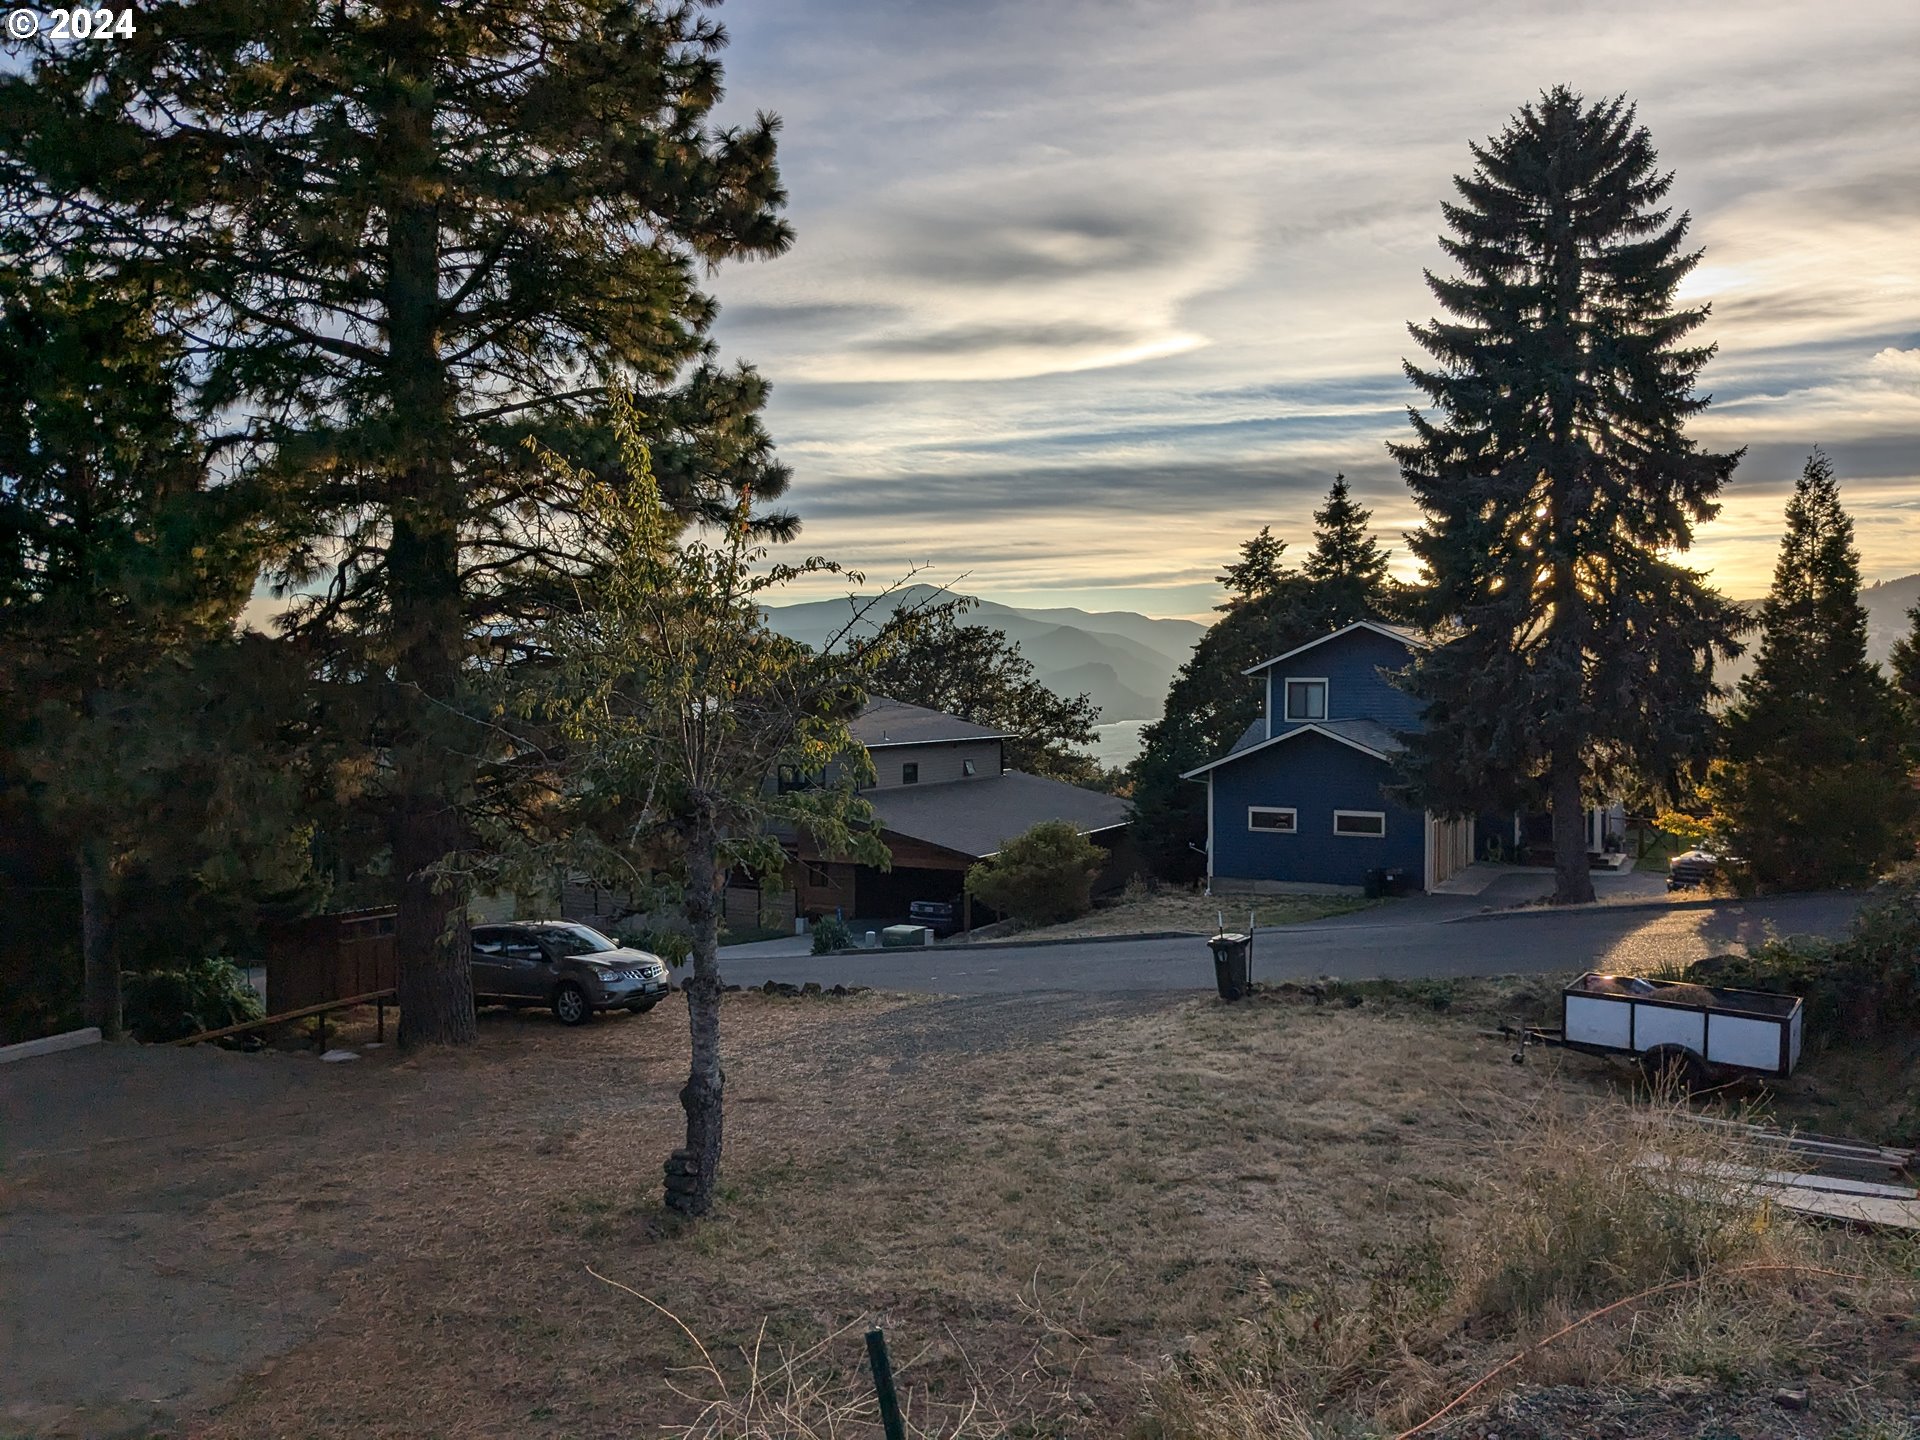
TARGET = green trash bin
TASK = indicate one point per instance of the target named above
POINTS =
(1232, 964)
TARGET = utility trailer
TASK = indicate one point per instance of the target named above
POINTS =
(1677, 1029)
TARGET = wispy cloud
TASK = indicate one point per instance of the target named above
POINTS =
(1086, 292)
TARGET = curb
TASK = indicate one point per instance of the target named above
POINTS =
(1010, 944)
(49, 1045)
(1602, 906)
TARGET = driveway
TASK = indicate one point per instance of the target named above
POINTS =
(1425, 938)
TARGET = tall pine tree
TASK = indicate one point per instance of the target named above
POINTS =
(1904, 662)
(1814, 789)
(404, 238)
(1270, 608)
(1556, 477)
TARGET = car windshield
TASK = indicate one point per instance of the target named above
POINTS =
(576, 940)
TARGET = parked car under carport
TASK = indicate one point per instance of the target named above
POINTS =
(572, 969)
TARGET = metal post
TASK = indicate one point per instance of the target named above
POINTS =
(890, 1420)
(380, 1023)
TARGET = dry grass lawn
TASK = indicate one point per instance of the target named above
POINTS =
(1189, 912)
(1074, 1216)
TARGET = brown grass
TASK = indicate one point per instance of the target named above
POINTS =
(1162, 1219)
(1141, 911)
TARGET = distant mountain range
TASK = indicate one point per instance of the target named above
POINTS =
(1123, 660)
(1126, 661)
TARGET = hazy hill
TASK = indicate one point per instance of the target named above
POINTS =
(1886, 605)
(1123, 660)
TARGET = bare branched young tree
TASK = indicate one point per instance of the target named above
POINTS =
(674, 705)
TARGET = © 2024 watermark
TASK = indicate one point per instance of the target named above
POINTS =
(62, 25)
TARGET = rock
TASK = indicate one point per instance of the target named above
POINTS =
(335, 1056)
(1794, 1398)
(838, 990)
(812, 987)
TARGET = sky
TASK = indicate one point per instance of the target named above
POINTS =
(1086, 291)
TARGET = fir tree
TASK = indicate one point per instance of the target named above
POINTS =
(1904, 662)
(1814, 788)
(1270, 608)
(402, 239)
(1556, 477)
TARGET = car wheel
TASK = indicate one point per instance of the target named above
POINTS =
(570, 1004)
(640, 1007)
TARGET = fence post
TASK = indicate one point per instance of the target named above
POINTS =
(877, 1357)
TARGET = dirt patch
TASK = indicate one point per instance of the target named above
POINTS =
(1045, 1200)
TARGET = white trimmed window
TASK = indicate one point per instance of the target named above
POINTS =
(1272, 820)
(1306, 699)
(1369, 823)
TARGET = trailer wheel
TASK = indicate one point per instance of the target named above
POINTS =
(1675, 1068)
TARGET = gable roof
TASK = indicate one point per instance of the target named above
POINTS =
(883, 722)
(1412, 639)
(976, 817)
(1369, 737)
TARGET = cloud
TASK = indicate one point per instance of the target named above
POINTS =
(1094, 288)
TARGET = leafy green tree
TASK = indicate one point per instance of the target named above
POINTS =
(980, 675)
(1814, 788)
(670, 703)
(1041, 877)
(1269, 610)
(1557, 478)
(401, 238)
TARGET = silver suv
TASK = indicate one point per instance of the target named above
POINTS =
(572, 968)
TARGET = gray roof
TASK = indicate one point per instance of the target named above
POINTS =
(976, 817)
(890, 722)
(1369, 735)
(1413, 639)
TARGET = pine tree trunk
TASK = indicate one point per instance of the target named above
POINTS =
(101, 969)
(1572, 877)
(431, 773)
(693, 1172)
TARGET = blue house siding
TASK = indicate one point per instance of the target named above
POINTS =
(1356, 690)
(1313, 776)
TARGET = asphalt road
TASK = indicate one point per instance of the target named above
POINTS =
(1409, 945)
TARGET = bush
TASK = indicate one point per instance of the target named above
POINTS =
(830, 932)
(1861, 987)
(207, 994)
(1043, 876)
(672, 946)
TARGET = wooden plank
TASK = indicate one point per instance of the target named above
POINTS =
(345, 1004)
(1824, 1197)
(1828, 1146)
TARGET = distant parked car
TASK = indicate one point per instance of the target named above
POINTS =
(940, 916)
(1695, 868)
(573, 969)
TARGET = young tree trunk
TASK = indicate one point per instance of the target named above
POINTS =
(101, 969)
(1572, 877)
(692, 1172)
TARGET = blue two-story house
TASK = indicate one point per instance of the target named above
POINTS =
(1300, 802)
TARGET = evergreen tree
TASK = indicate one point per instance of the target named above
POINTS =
(403, 239)
(1904, 662)
(980, 675)
(1814, 789)
(117, 565)
(1556, 477)
(1270, 608)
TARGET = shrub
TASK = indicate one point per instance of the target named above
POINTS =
(1863, 986)
(672, 946)
(1041, 877)
(207, 994)
(830, 932)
